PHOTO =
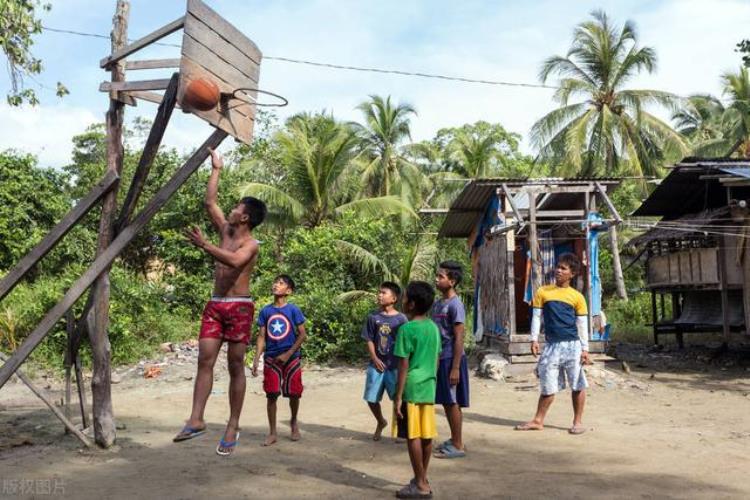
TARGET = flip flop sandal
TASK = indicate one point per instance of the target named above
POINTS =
(411, 491)
(227, 444)
(443, 445)
(188, 433)
(450, 451)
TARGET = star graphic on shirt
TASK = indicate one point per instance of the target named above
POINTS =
(277, 326)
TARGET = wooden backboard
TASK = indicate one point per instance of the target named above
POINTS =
(213, 48)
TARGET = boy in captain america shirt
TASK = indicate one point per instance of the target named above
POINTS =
(280, 336)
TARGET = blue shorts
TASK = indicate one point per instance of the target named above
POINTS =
(457, 394)
(376, 382)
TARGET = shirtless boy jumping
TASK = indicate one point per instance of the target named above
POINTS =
(228, 316)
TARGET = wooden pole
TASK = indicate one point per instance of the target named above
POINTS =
(536, 267)
(68, 424)
(616, 264)
(67, 363)
(104, 422)
(105, 259)
(589, 200)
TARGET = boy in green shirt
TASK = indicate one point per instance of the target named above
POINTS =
(418, 348)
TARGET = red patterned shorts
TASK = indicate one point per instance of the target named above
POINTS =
(283, 379)
(228, 319)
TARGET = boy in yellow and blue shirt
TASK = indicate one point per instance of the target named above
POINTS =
(566, 343)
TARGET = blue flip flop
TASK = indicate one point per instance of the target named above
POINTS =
(227, 444)
(188, 432)
(450, 451)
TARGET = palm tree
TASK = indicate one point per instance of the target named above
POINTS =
(715, 129)
(608, 130)
(319, 153)
(736, 117)
(418, 264)
(385, 171)
(700, 121)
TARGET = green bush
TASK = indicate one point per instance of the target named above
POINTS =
(629, 319)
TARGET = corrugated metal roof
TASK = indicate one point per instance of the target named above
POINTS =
(468, 207)
(683, 191)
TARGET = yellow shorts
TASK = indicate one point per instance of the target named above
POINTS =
(418, 421)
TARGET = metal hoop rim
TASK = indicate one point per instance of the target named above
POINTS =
(284, 100)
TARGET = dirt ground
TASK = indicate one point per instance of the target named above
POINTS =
(653, 434)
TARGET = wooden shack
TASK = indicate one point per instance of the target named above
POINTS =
(515, 228)
(697, 266)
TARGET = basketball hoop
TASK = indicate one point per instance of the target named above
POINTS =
(243, 94)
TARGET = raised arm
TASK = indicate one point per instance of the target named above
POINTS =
(233, 258)
(212, 191)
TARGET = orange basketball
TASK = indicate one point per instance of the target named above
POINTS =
(201, 94)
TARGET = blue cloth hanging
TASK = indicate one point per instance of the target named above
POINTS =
(594, 277)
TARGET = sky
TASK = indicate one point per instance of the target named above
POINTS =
(493, 40)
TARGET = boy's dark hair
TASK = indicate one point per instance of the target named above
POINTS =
(571, 261)
(286, 279)
(256, 211)
(393, 287)
(421, 294)
(453, 270)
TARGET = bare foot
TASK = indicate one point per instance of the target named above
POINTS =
(577, 429)
(296, 436)
(529, 426)
(271, 439)
(379, 430)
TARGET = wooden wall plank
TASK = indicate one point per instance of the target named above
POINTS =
(143, 42)
(217, 46)
(204, 57)
(234, 36)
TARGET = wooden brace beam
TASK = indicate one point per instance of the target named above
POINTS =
(152, 64)
(143, 42)
(603, 194)
(105, 259)
(160, 84)
(56, 234)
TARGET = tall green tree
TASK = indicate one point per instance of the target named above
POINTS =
(736, 117)
(607, 129)
(319, 153)
(19, 22)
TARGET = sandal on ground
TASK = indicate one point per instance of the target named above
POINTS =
(188, 432)
(412, 491)
(229, 446)
(449, 451)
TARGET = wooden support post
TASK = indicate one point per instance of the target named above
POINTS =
(103, 262)
(616, 264)
(536, 266)
(150, 150)
(68, 424)
(37, 253)
(745, 259)
(723, 283)
(675, 315)
(104, 422)
(654, 318)
(122, 50)
(68, 362)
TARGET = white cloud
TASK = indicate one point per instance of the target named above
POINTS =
(44, 130)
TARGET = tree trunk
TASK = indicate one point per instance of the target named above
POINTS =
(616, 265)
(104, 423)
